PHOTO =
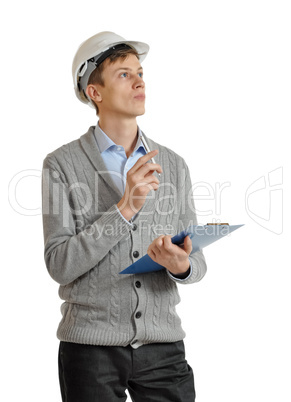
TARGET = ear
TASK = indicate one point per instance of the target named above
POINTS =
(93, 92)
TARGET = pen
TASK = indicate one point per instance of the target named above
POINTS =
(147, 149)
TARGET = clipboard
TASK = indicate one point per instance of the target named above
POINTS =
(201, 236)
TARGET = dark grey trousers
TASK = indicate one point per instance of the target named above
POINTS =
(152, 373)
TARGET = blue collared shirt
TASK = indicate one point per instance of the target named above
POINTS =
(115, 158)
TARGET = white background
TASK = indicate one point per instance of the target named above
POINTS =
(218, 93)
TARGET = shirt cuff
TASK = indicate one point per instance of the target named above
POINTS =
(180, 279)
(125, 220)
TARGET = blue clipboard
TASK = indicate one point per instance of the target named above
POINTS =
(201, 236)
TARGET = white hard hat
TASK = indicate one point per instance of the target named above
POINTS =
(93, 52)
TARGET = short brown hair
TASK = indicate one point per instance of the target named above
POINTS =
(96, 75)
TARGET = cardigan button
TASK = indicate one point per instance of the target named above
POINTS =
(134, 227)
(138, 314)
(135, 254)
(138, 284)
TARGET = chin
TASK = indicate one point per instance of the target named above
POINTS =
(141, 111)
(134, 112)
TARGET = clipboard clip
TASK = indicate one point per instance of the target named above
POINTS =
(219, 224)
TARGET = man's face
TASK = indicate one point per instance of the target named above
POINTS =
(123, 94)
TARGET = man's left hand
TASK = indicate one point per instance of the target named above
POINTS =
(174, 258)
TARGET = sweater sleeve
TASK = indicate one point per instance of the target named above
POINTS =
(70, 252)
(188, 217)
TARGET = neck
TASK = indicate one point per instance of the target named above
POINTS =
(122, 132)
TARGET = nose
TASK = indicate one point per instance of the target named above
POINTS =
(139, 82)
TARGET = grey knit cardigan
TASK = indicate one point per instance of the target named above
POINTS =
(88, 242)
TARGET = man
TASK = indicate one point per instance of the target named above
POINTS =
(106, 203)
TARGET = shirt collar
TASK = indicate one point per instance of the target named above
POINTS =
(104, 142)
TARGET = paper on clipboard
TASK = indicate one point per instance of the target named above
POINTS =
(201, 236)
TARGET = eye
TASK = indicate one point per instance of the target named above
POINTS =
(140, 75)
(123, 75)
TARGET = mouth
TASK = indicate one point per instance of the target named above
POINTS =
(140, 97)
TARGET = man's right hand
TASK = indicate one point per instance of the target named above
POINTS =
(140, 181)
